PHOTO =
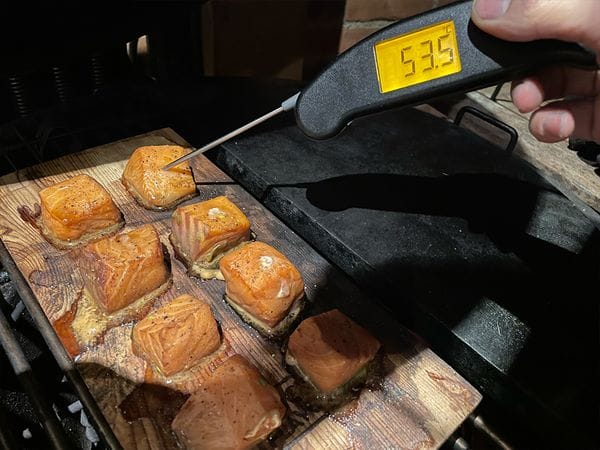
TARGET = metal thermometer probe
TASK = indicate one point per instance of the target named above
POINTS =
(413, 61)
(287, 105)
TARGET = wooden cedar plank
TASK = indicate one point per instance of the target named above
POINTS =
(559, 165)
(418, 404)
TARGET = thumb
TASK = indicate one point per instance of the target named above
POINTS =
(526, 20)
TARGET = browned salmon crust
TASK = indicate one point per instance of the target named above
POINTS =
(201, 233)
(77, 211)
(121, 269)
(262, 284)
(177, 336)
(330, 349)
(152, 187)
(234, 409)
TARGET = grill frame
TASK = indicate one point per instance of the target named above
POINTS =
(66, 364)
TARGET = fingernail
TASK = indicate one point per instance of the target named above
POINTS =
(546, 124)
(491, 9)
(556, 124)
(562, 129)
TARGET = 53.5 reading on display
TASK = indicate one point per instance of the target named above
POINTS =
(416, 57)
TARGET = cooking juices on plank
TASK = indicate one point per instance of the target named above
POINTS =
(331, 353)
(203, 232)
(263, 286)
(234, 409)
(64, 330)
(177, 336)
(152, 187)
(74, 212)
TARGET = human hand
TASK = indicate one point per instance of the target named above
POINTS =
(578, 113)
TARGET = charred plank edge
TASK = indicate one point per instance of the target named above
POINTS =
(60, 354)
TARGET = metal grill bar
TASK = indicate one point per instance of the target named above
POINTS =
(20, 365)
(62, 358)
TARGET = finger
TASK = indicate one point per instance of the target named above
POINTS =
(554, 83)
(563, 119)
(527, 94)
(526, 20)
(557, 82)
(552, 125)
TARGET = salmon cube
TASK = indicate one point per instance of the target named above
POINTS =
(77, 210)
(261, 284)
(152, 187)
(121, 269)
(203, 232)
(235, 408)
(177, 336)
(330, 349)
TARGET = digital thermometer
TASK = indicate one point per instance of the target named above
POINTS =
(416, 57)
(410, 62)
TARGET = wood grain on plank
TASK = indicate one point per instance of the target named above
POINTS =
(418, 403)
(559, 165)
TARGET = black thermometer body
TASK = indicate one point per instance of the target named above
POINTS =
(418, 59)
(413, 61)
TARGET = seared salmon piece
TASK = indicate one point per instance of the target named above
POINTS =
(234, 409)
(77, 211)
(177, 336)
(152, 187)
(263, 286)
(121, 269)
(330, 350)
(203, 232)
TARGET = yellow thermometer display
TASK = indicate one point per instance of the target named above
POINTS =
(416, 57)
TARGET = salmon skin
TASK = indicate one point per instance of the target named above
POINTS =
(234, 409)
(329, 350)
(203, 232)
(263, 286)
(152, 187)
(177, 336)
(121, 269)
(75, 212)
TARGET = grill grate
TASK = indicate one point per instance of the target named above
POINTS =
(33, 390)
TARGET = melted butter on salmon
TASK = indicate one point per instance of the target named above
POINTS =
(203, 232)
(216, 213)
(233, 409)
(177, 336)
(152, 187)
(265, 262)
(76, 211)
(330, 349)
(262, 283)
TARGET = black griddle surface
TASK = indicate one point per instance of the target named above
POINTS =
(467, 244)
